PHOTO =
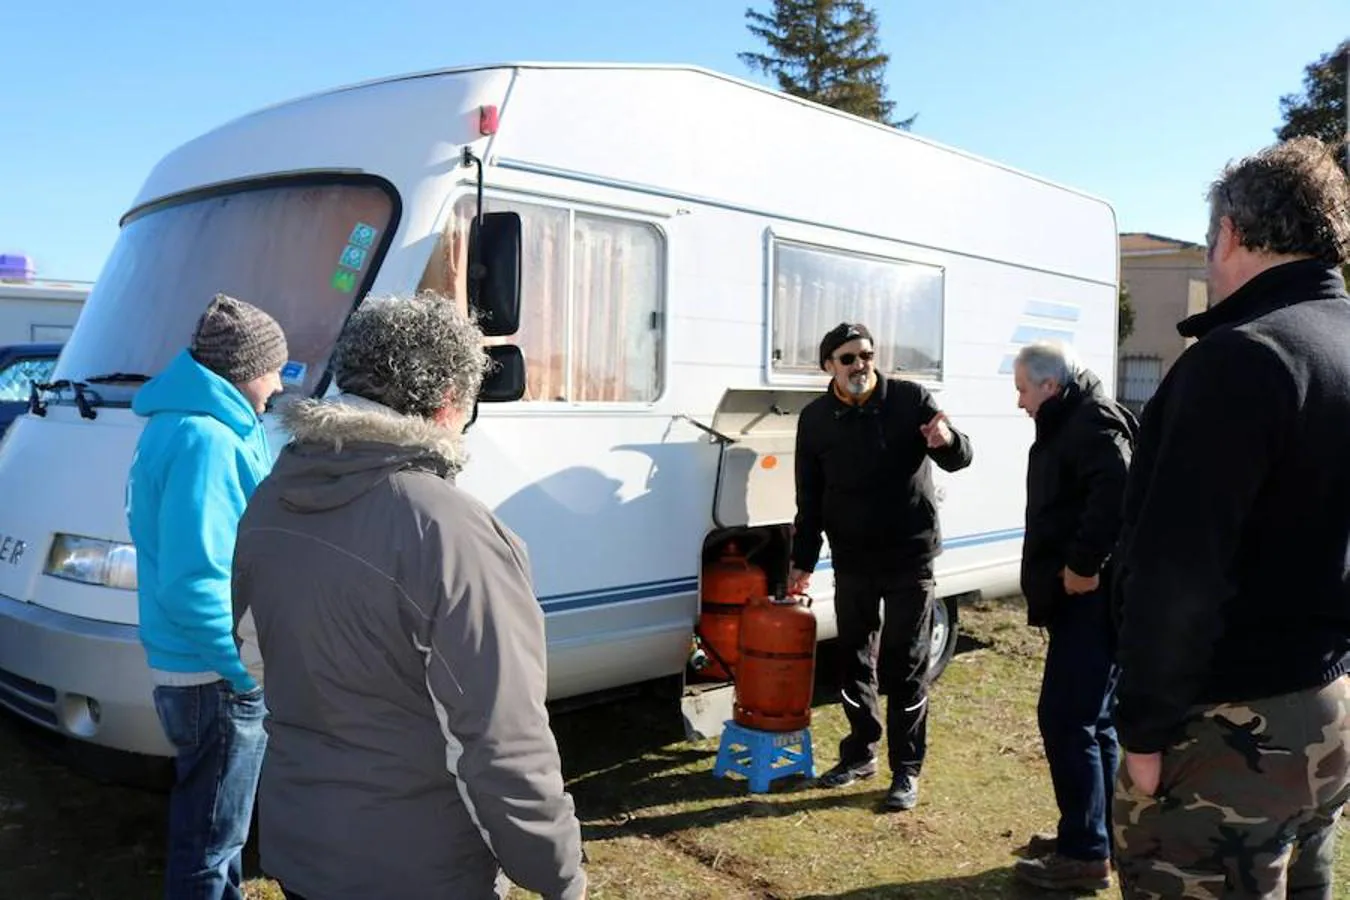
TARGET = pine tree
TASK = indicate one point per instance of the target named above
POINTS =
(826, 51)
(1320, 110)
(1125, 319)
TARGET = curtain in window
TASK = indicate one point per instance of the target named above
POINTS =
(900, 303)
(615, 296)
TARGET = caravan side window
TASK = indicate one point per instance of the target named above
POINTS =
(592, 300)
(815, 289)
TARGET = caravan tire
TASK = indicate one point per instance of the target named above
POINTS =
(945, 633)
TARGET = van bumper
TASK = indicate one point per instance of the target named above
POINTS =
(81, 678)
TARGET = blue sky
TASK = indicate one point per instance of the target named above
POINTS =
(1140, 103)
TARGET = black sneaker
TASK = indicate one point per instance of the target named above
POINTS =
(847, 773)
(904, 793)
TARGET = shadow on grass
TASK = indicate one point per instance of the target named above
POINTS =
(78, 824)
(623, 823)
(990, 884)
(967, 643)
(629, 755)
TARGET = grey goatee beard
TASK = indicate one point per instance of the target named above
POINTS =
(857, 384)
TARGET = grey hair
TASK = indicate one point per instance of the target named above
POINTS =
(1289, 199)
(1048, 361)
(410, 353)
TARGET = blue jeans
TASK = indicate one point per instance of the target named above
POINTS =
(1075, 714)
(220, 741)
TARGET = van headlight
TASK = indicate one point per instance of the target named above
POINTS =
(93, 561)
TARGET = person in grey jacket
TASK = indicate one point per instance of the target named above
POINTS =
(395, 622)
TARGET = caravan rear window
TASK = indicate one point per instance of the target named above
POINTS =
(815, 288)
(302, 251)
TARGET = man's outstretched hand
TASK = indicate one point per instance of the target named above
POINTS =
(937, 432)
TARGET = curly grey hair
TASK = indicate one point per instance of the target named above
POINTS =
(410, 353)
(1291, 198)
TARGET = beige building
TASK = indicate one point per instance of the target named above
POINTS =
(1166, 280)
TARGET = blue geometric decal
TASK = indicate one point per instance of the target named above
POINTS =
(1044, 310)
(1042, 320)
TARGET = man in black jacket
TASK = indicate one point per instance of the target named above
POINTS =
(1076, 472)
(1234, 562)
(863, 478)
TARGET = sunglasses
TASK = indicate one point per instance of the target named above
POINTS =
(848, 359)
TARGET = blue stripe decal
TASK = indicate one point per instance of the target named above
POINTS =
(988, 537)
(1045, 310)
(1025, 334)
(648, 591)
(669, 582)
(672, 587)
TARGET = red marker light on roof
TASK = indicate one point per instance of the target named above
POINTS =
(487, 120)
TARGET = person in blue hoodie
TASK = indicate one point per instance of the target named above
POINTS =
(200, 457)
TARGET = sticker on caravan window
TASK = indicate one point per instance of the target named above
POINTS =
(293, 372)
(352, 258)
(363, 235)
(344, 281)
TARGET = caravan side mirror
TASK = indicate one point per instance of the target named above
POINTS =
(494, 272)
(505, 381)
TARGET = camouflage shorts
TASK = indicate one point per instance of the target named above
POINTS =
(1247, 805)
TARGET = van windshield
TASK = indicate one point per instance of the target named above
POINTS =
(301, 251)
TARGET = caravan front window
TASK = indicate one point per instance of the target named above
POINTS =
(814, 289)
(591, 317)
(303, 251)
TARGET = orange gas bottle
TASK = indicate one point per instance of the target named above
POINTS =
(728, 584)
(778, 664)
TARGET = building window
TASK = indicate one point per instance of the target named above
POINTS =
(50, 334)
(1139, 378)
(592, 323)
(901, 303)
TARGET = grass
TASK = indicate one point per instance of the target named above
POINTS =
(657, 825)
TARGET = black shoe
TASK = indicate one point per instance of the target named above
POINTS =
(846, 773)
(904, 793)
(1059, 873)
(1044, 843)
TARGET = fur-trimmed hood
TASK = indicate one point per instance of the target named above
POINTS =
(341, 448)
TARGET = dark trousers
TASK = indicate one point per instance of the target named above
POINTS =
(1075, 709)
(893, 657)
(291, 895)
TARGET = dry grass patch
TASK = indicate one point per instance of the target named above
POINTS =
(658, 826)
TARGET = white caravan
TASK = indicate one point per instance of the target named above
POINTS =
(686, 239)
(40, 310)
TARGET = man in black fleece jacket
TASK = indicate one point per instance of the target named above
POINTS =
(1234, 594)
(863, 478)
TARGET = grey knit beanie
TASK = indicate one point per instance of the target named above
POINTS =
(238, 341)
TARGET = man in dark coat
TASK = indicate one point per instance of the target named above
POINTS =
(1076, 472)
(864, 481)
(1234, 561)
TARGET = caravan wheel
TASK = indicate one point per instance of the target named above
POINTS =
(945, 632)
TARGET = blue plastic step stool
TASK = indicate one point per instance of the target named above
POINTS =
(762, 756)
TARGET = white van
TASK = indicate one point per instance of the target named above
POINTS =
(686, 239)
(40, 310)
